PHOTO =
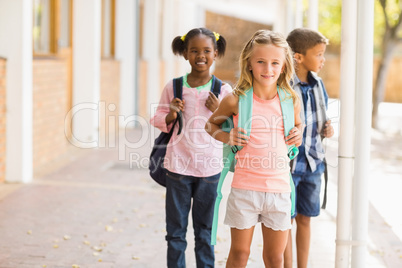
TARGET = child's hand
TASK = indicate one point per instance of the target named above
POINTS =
(328, 131)
(212, 102)
(236, 137)
(295, 137)
(176, 105)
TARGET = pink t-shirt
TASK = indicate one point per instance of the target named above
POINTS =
(194, 152)
(263, 164)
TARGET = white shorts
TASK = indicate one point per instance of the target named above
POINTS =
(246, 208)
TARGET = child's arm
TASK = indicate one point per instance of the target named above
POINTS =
(166, 112)
(296, 134)
(227, 108)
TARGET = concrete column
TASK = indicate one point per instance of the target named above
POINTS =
(186, 21)
(16, 47)
(289, 17)
(86, 72)
(127, 12)
(151, 53)
(299, 14)
(364, 87)
(168, 33)
(313, 14)
(347, 133)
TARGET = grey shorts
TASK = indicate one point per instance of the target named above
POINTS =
(246, 208)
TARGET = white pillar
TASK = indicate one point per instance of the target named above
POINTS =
(299, 14)
(364, 88)
(347, 133)
(151, 53)
(126, 45)
(186, 21)
(16, 47)
(289, 16)
(86, 72)
(168, 33)
(313, 14)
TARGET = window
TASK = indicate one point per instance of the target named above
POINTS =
(51, 26)
(108, 24)
(41, 26)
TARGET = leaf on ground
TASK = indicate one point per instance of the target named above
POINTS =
(75, 266)
(97, 248)
(136, 258)
(87, 242)
(55, 246)
(66, 237)
(29, 232)
(108, 228)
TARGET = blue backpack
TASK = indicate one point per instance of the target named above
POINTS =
(156, 169)
(229, 152)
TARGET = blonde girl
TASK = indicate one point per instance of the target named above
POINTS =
(260, 189)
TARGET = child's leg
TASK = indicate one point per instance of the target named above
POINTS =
(288, 254)
(178, 203)
(274, 246)
(303, 234)
(240, 247)
(204, 195)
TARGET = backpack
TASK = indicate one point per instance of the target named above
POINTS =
(229, 152)
(156, 159)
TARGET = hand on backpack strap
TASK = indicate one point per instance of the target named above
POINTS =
(237, 136)
(176, 105)
(328, 130)
(295, 137)
(212, 102)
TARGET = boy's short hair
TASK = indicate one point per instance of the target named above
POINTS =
(302, 39)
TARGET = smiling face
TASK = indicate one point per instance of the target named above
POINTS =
(266, 63)
(200, 53)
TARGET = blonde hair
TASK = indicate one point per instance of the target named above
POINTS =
(265, 37)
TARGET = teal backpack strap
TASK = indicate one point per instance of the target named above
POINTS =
(289, 123)
(229, 152)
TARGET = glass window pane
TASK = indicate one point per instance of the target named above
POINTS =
(107, 28)
(65, 23)
(41, 27)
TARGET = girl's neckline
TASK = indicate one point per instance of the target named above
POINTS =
(185, 83)
(255, 97)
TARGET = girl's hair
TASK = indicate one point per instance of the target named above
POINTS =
(263, 38)
(180, 43)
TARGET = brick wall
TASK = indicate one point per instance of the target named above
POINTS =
(109, 102)
(2, 119)
(227, 68)
(50, 106)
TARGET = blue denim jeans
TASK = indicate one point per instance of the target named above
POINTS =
(180, 189)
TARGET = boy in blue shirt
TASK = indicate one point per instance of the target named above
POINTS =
(308, 47)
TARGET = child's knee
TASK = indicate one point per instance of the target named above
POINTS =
(273, 260)
(303, 220)
(240, 255)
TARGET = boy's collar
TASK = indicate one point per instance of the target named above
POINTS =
(311, 77)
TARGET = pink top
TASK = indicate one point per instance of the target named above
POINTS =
(194, 152)
(263, 164)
